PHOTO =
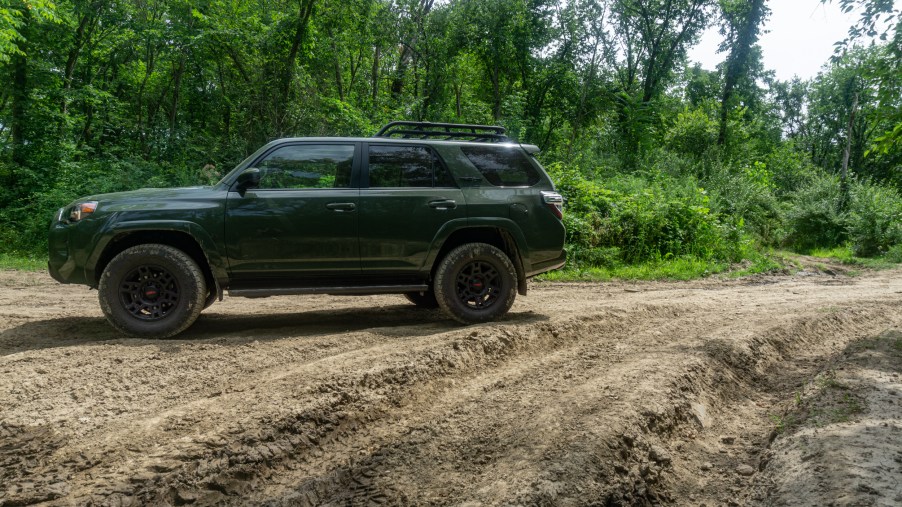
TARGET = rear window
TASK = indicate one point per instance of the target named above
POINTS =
(503, 167)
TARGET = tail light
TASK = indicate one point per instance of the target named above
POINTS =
(555, 202)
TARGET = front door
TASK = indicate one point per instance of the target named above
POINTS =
(302, 218)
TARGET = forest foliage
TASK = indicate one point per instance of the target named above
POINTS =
(658, 158)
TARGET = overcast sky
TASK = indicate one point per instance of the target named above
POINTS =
(799, 41)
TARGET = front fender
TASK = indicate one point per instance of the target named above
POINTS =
(195, 231)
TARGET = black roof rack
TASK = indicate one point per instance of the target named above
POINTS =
(446, 131)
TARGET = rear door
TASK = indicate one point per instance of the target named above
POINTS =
(407, 196)
(301, 220)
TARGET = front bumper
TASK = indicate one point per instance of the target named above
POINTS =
(61, 263)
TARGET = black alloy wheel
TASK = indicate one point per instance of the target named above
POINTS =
(475, 282)
(152, 291)
(478, 285)
(149, 292)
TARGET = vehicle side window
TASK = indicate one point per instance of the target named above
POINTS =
(308, 166)
(406, 166)
(442, 176)
(502, 166)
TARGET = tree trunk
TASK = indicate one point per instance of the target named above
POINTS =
(406, 54)
(305, 11)
(354, 68)
(844, 173)
(339, 83)
(226, 106)
(577, 122)
(20, 95)
(496, 90)
(375, 77)
(79, 42)
(150, 59)
(739, 54)
(176, 93)
(397, 84)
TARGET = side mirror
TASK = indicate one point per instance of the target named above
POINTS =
(250, 178)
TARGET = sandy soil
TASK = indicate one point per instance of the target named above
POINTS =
(714, 392)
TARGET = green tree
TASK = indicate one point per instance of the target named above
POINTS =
(853, 84)
(654, 35)
(885, 69)
(742, 24)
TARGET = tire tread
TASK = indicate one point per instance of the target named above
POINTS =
(446, 278)
(196, 286)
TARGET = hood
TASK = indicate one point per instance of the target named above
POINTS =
(152, 194)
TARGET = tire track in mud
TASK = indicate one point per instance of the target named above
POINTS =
(346, 406)
(324, 431)
(586, 400)
(612, 458)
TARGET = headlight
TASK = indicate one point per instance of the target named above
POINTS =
(81, 210)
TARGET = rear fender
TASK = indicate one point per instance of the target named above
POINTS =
(511, 236)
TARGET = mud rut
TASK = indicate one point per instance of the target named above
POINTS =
(586, 394)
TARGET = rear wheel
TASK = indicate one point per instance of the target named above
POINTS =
(476, 282)
(152, 291)
(425, 299)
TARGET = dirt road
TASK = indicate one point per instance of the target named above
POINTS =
(586, 394)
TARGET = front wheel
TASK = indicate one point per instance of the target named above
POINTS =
(475, 282)
(152, 291)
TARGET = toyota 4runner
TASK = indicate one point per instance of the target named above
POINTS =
(451, 216)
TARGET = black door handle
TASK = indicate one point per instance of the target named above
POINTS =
(341, 206)
(443, 204)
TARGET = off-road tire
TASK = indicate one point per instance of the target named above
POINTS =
(152, 291)
(475, 282)
(425, 299)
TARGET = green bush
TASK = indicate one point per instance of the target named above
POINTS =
(651, 225)
(598, 257)
(814, 218)
(747, 195)
(874, 219)
(872, 222)
(32, 213)
(587, 205)
(791, 169)
(692, 133)
(634, 219)
(894, 254)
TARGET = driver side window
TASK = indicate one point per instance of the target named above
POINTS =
(303, 166)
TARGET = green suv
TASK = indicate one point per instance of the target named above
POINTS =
(451, 216)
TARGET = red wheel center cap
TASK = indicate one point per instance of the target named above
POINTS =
(477, 284)
(151, 292)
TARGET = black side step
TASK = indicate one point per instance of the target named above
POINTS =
(337, 291)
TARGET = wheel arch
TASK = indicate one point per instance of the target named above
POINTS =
(499, 237)
(175, 238)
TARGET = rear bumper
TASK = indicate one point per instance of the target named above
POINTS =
(549, 265)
